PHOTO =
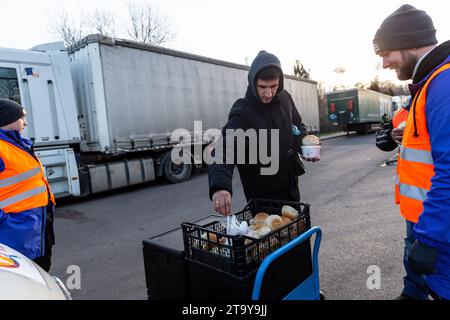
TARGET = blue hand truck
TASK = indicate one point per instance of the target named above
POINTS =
(309, 289)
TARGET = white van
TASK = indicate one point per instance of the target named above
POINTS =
(22, 279)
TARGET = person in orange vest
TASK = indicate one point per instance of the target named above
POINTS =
(406, 41)
(26, 201)
(390, 135)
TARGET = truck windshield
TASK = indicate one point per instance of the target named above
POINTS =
(9, 84)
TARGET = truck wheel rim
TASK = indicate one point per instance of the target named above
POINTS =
(177, 169)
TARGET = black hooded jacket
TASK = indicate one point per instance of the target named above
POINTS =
(250, 113)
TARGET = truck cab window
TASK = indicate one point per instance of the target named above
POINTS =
(9, 84)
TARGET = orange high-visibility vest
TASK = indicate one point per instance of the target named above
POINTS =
(22, 183)
(415, 164)
(399, 117)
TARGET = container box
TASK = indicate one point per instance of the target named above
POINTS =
(166, 270)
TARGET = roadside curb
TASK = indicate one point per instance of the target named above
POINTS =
(343, 134)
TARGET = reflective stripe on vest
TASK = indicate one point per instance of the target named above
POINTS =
(23, 196)
(421, 156)
(19, 178)
(413, 192)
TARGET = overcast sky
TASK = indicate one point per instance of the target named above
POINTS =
(322, 34)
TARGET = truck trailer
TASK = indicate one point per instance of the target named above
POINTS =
(102, 112)
(358, 109)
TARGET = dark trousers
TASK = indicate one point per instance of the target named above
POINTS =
(414, 285)
(45, 261)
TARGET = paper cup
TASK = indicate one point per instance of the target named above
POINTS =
(311, 151)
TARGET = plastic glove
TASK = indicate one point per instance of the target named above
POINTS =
(422, 258)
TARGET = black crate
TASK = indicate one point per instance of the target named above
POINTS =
(221, 271)
(240, 255)
(166, 270)
(210, 284)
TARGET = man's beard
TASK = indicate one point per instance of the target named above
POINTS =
(405, 72)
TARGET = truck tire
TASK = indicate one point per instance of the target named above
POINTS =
(176, 173)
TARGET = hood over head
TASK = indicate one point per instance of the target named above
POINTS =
(262, 61)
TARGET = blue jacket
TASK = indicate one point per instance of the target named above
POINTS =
(433, 227)
(23, 231)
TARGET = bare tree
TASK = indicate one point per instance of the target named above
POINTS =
(67, 29)
(360, 85)
(300, 70)
(103, 22)
(148, 25)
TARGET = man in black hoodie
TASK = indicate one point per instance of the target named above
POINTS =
(268, 108)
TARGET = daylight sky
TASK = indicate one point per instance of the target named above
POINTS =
(324, 35)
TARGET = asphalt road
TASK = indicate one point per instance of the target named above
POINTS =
(351, 196)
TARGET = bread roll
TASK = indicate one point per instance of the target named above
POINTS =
(274, 222)
(212, 238)
(260, 218)
(252, 230)
(311, 140)
(254, 227)
(286, 220)
(289, 212)
(263, 230)
(258, 231)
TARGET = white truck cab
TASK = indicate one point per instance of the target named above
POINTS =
(22, 279)
(42, 83)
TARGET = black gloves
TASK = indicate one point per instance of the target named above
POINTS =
(422, 258)
(383, 138)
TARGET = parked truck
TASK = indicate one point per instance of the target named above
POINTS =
(358, 109)
(101, 113)
(400, 102)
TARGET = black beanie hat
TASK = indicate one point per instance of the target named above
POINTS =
(406, 28)
(10, 112)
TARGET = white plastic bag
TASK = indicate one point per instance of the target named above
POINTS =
(234, 227)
